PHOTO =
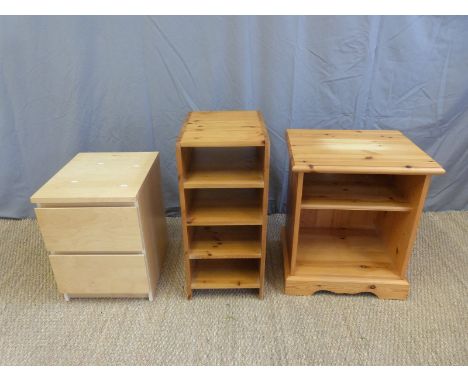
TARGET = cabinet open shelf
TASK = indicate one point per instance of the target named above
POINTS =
(229, 167)
(225, 242)
(225, 274)
(224, 207)
(223, 164)
(343, 252)
(352, 192)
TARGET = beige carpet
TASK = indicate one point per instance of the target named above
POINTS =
(235, 327)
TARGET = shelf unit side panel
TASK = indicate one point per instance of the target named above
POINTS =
(266, 176)
(182, 163)
(398, 229)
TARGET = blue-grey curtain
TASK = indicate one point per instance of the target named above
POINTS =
(71, 84)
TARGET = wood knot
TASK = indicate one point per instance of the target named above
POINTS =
(372, 287)
(368, 157)
(408, 166)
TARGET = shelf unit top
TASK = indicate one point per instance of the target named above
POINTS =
(114, 177)
(223, 129)
(358, 151)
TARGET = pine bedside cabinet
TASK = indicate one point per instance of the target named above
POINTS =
(102, 219)
(223, 164)
(355, 199)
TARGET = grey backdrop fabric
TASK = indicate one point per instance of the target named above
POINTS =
(71, 84)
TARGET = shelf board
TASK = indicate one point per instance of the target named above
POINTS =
(225, 274)
(351, 253)
(225, 207)
(225, 243)
(352, 195)
(224, 168)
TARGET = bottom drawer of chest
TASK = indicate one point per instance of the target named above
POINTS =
(100, 275)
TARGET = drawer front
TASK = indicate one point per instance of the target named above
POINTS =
(91, 274)
(90, 229)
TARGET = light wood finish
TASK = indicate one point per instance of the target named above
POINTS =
(97, 178)
(224, 168)
(307, 284)
(343, 252)
(93, 274)
(358, 152)
(358, 192)
(225, 243)
(399, 230)
(114, 241)
(81, 229)
(229, 207)
(225, 274)
(153, 225)
(223, 129)
(223, 161)
(353, 219)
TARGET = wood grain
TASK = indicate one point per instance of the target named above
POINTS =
(225, 242)
(91, 274)
(223, 160)
(358, 192)
(153, 225)
(97, 178)
(225, 274)
(358, 151)
(95, 229)
(224, 168)
(229, 207)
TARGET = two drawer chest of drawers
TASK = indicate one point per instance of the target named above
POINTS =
(102, 220)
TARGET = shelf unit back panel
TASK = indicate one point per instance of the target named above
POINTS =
(353, 192)
(225, 274)
(228, 167)
(224, 207)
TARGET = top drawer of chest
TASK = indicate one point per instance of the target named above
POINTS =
(90, 229)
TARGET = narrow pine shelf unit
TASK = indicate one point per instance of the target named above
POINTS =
(354, 203)
(223, 166)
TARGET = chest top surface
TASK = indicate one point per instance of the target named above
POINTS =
(357, 151)
(98, 177)
(223, 129)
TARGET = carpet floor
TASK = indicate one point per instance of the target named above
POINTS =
(37, 327)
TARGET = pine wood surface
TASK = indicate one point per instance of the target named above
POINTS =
(223, 129)
(358, 151)
(223, 163)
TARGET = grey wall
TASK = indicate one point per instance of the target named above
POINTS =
(70, 84)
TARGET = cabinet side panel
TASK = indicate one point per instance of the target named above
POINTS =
(153, 223)
(293, 215)
(398, 229)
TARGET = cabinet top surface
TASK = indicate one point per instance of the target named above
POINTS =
(223, 129)
(357, 151)
(98, 177)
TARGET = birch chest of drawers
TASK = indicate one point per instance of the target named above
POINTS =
(102, 220)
